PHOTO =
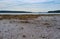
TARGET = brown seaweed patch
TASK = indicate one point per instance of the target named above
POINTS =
(46, 23)
(49, 26)
(24, 22)
(1, 18)
(22, 17)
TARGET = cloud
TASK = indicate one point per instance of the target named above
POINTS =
(34, 1)
(8, 3)
(33, 5)
(25, 1)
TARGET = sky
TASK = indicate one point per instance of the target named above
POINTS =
(30, 5)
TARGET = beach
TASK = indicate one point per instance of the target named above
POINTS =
(29, 26)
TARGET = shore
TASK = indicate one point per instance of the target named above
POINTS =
(30, 26)
(25, 16)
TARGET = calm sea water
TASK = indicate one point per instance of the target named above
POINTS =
(25, 13)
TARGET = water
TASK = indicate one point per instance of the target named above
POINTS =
(25, 13)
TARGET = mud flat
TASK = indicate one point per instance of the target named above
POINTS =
(29, 26)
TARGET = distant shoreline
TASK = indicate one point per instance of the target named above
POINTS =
(56, 11)
(15, 12)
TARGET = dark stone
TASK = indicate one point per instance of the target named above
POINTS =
(0, 31)
(43, 37)
(32, 35)
(24, 36)
(22, 28)
(58, 28)
(1, 19)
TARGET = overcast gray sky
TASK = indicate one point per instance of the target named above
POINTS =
(30, 5)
